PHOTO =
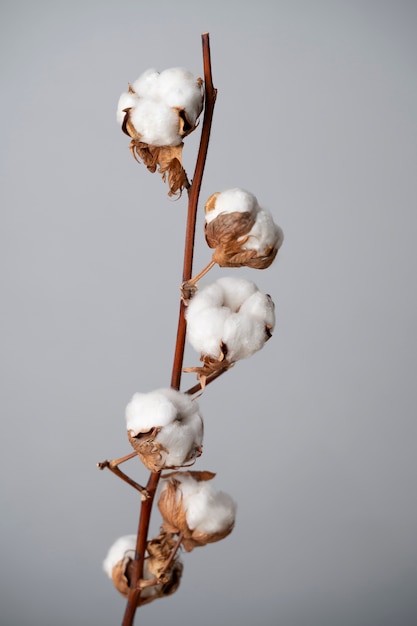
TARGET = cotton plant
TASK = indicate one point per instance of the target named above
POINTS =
(157, 112)
(225, 321)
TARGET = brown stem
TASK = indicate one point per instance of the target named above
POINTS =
(142, 536)
(193, 196)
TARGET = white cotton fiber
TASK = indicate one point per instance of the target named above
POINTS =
(126, 101)
(233, 201)
(122, 547)
(178, 88)
(147, 85)
(156, 123)
(156, 104)
(176, 416)
(149, 410)
(180, 439)
(205, 329)
(236, 291)
(207, 510)
(260, 305)
(243, 335)
(264, 233)
(238, 319)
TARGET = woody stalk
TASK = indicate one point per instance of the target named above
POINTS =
(224, 321)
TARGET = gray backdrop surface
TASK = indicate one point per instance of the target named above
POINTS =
(315, 435)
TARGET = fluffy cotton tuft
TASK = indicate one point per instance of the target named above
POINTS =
(231, 201)
(207, 510)
(233, 314)
(177, 427)
(163, 107)
(124, 547)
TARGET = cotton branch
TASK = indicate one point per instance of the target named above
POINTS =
(193, 197)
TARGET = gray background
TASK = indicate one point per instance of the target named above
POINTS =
(314, 436)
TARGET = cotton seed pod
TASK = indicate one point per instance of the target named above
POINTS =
(158, 580)
(165, 428)
(240, 231)
(189, 505)
(227, 321)
(158, 112)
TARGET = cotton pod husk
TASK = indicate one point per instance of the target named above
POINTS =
(240, 231)
(165, 428)
(175, 510)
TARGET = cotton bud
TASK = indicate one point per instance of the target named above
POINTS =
(158, 579)
(240, 231)
(227, 321)
(157, 112)
(189, 505)
(165, 428)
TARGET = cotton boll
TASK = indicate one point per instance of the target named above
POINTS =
(236, 291)
(149, 410)
(121, 548)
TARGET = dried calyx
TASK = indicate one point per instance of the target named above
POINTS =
(157, 112)
(240, 231)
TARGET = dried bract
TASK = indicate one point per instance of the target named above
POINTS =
(158, 111)
(165, 428)
(240, 231)
(190, 505)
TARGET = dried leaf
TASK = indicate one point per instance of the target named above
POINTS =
(210, 366)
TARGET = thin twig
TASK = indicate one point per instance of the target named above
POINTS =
(113, 466)
(193, 196)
